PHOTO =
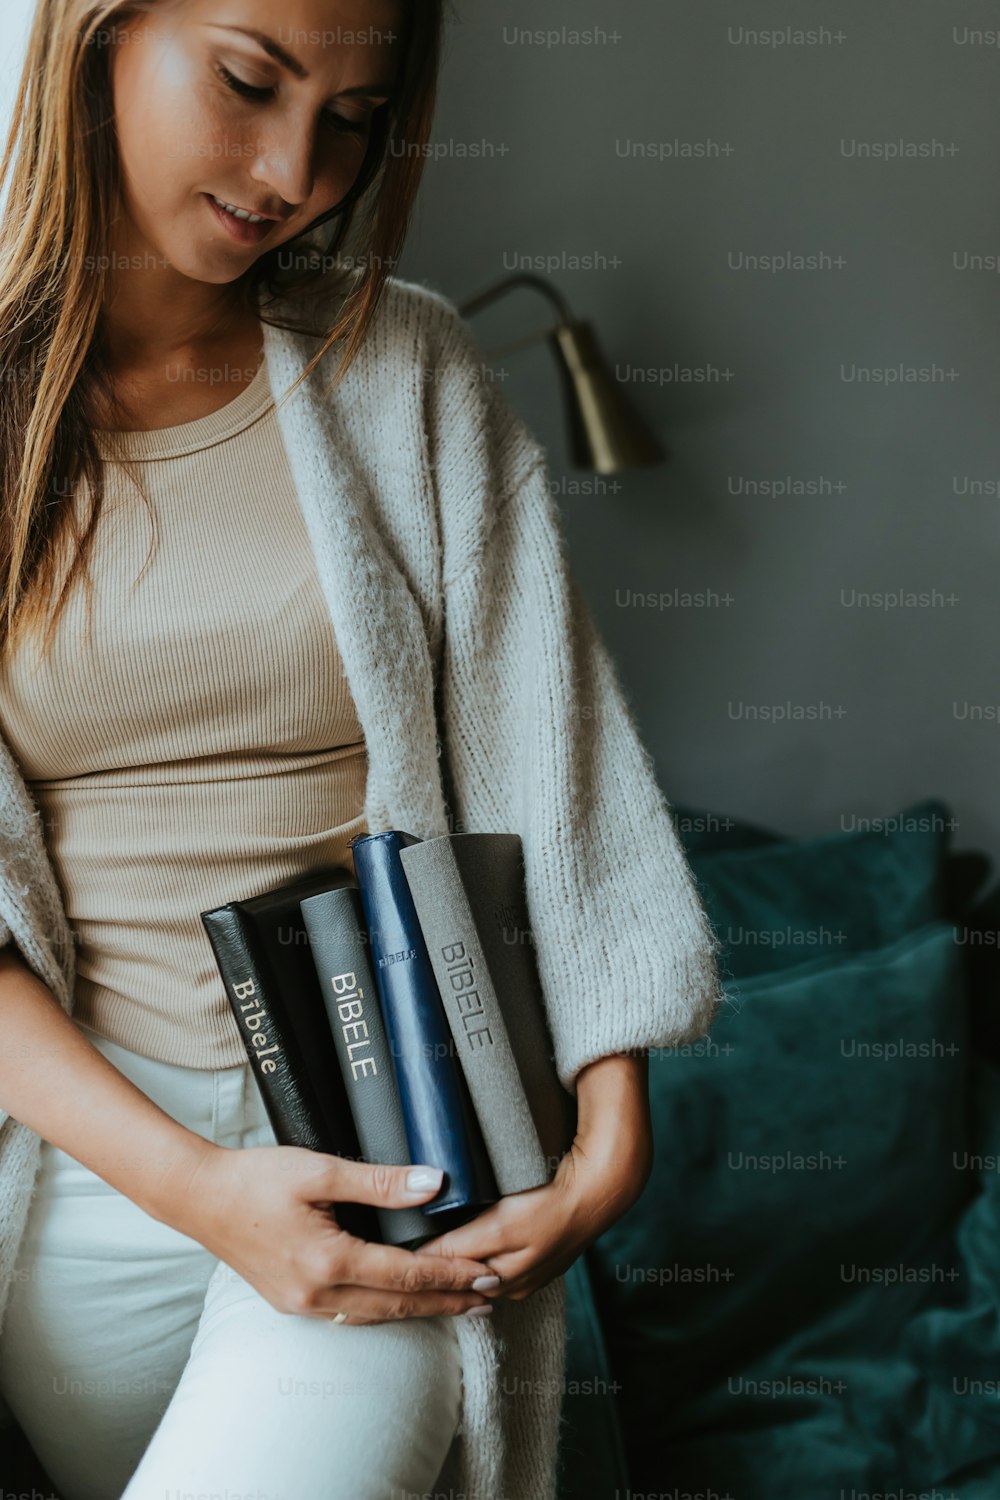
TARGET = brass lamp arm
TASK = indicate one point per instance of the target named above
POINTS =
(519, 278)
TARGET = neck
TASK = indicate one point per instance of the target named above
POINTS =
(153, 314)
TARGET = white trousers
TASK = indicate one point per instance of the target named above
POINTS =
(141, 1367)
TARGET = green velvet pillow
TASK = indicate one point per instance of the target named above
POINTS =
(802, 1152)
(944, 1420)
(790, 902)
(703, 832)
(591, 1449)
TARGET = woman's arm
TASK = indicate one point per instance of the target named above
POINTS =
(541, 741)
(529, 1238)
(53, 1080)
(614, 1137)
(263, 1210)
(539, 738)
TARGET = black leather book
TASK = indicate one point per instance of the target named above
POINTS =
(440, 1121)
(263, 953)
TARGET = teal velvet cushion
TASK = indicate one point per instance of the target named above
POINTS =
(789, 902)
(804, 1159)
(592, 1462)
(946, 1420)
(703, 832)
(591, 1449)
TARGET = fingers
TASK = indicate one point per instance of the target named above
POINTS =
(386, 1186)
(401, 1272)
(379, 1283)
(339, 1180)
(361, 1305)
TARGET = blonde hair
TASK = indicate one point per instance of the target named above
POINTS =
(62, 160)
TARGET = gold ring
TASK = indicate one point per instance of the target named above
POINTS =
(340, 1318)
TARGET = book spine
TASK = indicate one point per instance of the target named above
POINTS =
(440, 1120)
(446, 909)
(278, 1068)
(338, 941)
(491, 869)
(278, 1071)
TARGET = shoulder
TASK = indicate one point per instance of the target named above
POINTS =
(465, 410)
(410, 321)
(423, 333)
(414, 308)
(419, 348)
(480, 451)
(421, 375)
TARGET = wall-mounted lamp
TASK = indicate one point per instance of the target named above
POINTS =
(607, 434)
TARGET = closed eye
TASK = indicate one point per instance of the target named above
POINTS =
(251, 91)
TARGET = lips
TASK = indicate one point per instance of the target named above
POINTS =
(241, 230)
(251, 215)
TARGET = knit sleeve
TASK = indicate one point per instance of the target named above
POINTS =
(541, 741)
(32, 913)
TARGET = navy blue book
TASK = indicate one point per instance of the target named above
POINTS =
(438, 1114)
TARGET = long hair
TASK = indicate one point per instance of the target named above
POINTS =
(62, 159)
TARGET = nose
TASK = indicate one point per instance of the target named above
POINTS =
(284, 162)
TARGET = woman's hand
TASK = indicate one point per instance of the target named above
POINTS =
(529, 1238)
(267, 1211)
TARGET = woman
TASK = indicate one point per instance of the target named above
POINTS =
(192, 731)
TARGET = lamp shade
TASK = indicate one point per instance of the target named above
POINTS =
(607, 434)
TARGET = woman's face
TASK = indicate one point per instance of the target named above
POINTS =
(203, 112)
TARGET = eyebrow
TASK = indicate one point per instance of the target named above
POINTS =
(378, 90)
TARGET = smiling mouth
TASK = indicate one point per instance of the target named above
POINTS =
(244, 213)
(239, 223)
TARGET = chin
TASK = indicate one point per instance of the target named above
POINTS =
(210, 278)
(216, 270)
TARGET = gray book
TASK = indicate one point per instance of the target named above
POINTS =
(468, 890)
(339, 942)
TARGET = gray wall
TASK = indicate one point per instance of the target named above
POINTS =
(887, 703)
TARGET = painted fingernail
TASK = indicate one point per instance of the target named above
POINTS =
(485, 1283)
(421, 1179)
(482, 1310)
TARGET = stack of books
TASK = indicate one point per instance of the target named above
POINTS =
(395, 1015)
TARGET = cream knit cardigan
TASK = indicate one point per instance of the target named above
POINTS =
(489, 702)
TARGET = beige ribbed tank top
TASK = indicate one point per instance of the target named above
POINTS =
(202, 745)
